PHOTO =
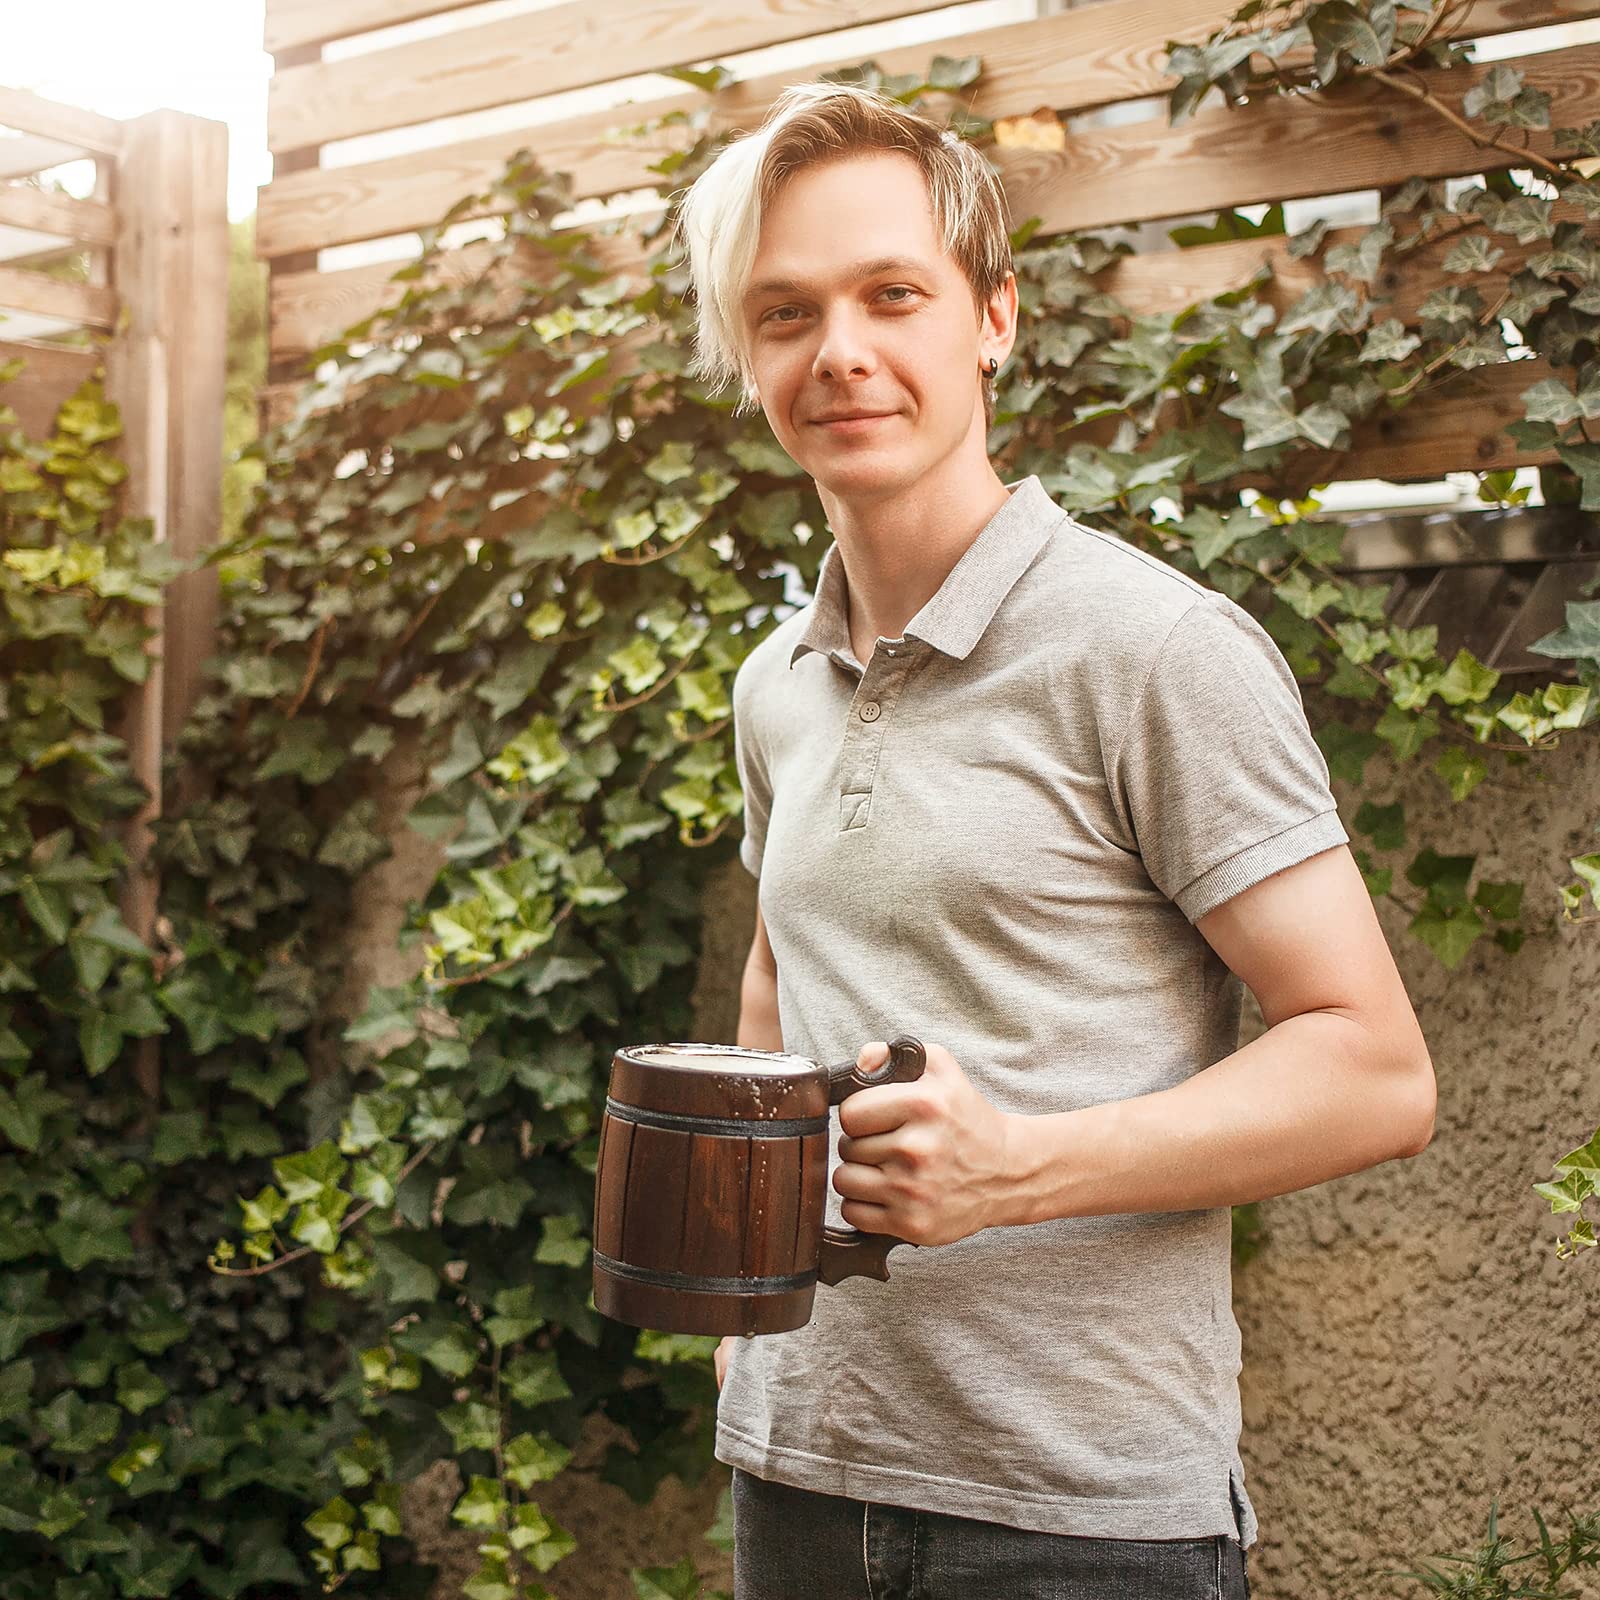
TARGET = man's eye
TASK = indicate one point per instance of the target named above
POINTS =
(899, 288)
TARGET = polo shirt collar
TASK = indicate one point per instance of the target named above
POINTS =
(955, 616)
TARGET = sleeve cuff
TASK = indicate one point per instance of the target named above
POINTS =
(1240, 872)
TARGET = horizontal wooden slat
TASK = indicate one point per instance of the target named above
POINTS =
(292, 22)
(86, 221)
(1277, 149)
(565, 46)
(1456, 428)
(85, 304)
(88, 130)
(50, 378)
(1164, 281)
(312, 308)
(1072, 61)
(1282, 148)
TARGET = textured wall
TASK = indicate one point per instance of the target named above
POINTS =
(1412, 1346)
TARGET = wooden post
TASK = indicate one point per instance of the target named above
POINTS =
(166, 370)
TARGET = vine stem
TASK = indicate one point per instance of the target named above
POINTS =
(1426, 96)
(608, 704)
(349, 1222)
(317, 642)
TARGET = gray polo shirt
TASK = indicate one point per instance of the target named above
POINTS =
(997, 835)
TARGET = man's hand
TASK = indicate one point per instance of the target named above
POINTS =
(930, 1161)
(719, 1358)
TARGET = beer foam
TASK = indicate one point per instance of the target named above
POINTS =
(724, 1058)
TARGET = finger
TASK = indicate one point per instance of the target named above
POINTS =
(865, 1184)
(872, 1055)
(878, 1110)
(871, 1151)
(868, 1218)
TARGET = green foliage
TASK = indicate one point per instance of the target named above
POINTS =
(493, 586)
(1486, 1573)
(161, 1428)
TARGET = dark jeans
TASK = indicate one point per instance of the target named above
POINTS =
(796, 1544)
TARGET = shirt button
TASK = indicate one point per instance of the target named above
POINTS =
(869, 711)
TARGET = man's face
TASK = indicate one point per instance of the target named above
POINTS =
(854, 307)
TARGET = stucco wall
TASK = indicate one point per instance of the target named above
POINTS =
(1412, 1346)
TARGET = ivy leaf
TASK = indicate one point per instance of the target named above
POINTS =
(1389, 340)
(180, 1136)
(532, 1459)
(270, 1081)
(1345, 749)
(1502, 900)
(483, 1505)
(1472, 253)
(138, 1388)
(1404, 734)
(681, 1582)
(517, 1314)
(333, 1525)
(1585, 1160)
(23, 1111)
(1444, 877)
(1580, 638)
(303, 1177)
(76, 1426)
(561, 1242)
(1466, 679)
(1449, 934)
(533, 1378)
(16, 1389)
(442, 1343)
(472, 1425)
(150, 1567)
(1385, 825)
(90, 1229)
(1462, 770)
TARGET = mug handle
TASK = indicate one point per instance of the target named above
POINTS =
(848, 1252)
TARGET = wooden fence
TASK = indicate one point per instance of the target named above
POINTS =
(1093, 57)
(1098, 56)
(155, 230)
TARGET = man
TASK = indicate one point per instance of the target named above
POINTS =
(1037, 798)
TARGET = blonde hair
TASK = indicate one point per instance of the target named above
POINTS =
(808, 124)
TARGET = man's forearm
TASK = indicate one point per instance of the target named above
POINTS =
(1315, 1097)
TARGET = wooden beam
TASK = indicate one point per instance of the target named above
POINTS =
(567, 46)
(86, 222)
(1070, 61)
(88, 130)
(167, 370)
(83, 304)
(293, 22)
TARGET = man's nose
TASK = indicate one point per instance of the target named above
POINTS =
(843, 351)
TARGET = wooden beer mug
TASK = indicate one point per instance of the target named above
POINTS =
(711, 1186)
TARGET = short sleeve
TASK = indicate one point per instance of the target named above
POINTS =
(1218, 777)
(752, 769)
